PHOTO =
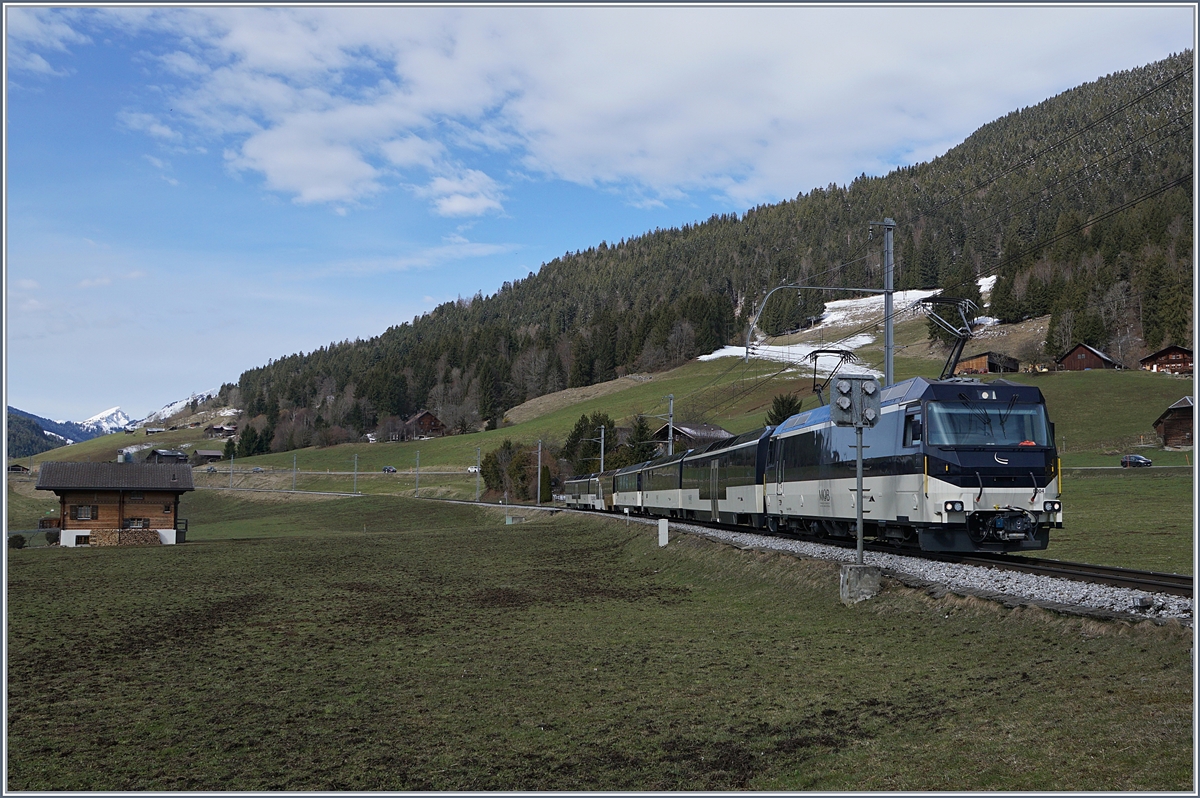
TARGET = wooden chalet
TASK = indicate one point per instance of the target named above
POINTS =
(220, 431)
(166, 456)
(206, 456)
(118, 504)
(1082, 357)
(691, 435)
(424, 425)
(988, 363)
(17, 468)
(1172, 360)
(1174, 426)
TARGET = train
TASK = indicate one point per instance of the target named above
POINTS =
(953, 465)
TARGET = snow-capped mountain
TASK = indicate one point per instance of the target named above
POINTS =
(110, 420)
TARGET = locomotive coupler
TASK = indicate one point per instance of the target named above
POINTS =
(1009, 523)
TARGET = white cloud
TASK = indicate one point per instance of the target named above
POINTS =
(454, 250)
(147, 123)
(95, 282)
(27, 285)
(29, 29)
(752, 103)
(469, 194)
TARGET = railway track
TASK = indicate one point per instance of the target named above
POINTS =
(1149, 581)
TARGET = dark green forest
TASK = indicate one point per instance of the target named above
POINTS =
(26, 438)
(1081, 206)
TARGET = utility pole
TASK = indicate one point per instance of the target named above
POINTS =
(231, 456)
(356, 473)
(601, 453)
(477, 470)
(293, 473)
(671, 424)
(417, 491)
(539, 473)
(889, 349)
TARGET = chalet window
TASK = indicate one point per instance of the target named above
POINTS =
(84, 512)
(135, 496)
(137, 523)
(166, 508)
(1080, 355)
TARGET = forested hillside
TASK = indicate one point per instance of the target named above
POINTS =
(26, 438)
(1081, 205)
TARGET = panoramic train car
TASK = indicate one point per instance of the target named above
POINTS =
(723, 482)
(590, 491)
(660, 485)
(627, 488)
(952, 465)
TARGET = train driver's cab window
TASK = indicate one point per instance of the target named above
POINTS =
(912, 430)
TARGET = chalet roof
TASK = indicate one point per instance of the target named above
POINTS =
(210, 453)
(1185, 403)
(1164, 350)
(170, 453)
(416, 416)
(704, 432)
(1093, 350)
(115, 476)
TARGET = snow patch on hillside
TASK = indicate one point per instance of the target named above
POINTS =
(798, 354)
(838, 315)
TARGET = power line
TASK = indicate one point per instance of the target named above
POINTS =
(1031, 158)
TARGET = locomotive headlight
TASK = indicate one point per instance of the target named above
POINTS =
(1051, 507)
(955, 507)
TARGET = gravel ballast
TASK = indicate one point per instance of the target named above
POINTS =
(1010, 587)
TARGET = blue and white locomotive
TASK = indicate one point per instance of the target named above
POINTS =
(951, 465)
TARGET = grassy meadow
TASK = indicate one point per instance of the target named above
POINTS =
(283, 648)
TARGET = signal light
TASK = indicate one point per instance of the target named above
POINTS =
(1051, 507)
(954, 507)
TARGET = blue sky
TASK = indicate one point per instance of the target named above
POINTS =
(191, 192)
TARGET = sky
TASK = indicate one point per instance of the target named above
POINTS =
(191, 192)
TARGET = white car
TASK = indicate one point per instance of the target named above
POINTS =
(472, 469)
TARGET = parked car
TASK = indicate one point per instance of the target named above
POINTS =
(472, 469)
(211, 469)
(256, 470)
(389, 469)
(1135, 461)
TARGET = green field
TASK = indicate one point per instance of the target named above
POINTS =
(1139, 519)
(444, 650)
(1132, 518)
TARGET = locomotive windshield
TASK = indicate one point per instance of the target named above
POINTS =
(971, 423)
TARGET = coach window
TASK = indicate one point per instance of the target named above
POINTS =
(912, 430)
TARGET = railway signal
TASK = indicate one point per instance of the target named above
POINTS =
(856, 403)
